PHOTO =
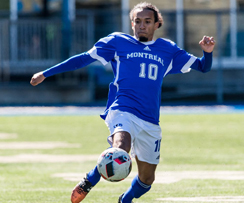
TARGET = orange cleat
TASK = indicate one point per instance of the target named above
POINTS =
(80, 191)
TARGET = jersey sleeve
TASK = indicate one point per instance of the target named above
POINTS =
(181, 62)
(73, 63)
(203, 64)
(104, 50)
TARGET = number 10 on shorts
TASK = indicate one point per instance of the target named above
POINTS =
(157, 148)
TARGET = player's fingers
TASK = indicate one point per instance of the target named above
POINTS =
(33, 81)
(37, 79)
(206, 40)
(203, 41)
(212, 40)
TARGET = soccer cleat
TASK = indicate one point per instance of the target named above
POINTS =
(80, 191)
(120, 198)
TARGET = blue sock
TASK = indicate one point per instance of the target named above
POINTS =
(93, 176)
(136, 190)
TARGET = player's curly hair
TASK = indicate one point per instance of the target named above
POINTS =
(144, 5)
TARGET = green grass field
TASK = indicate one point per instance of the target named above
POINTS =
(43, 157)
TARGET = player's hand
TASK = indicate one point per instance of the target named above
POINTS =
(207, 44)
(37, 78)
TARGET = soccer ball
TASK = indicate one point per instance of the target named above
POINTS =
(114, 164)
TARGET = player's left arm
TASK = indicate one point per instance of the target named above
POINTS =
(204, 64)
(207, 44)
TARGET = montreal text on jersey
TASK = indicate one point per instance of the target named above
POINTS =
(145, 55)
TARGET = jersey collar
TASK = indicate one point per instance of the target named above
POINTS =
(146, 43)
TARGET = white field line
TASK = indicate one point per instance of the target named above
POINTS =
(36, 145)
(203, 199)
(5, 136)
(36, 189)
(172, 176)
(47, 158)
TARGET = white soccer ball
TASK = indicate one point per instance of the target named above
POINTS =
(114, 164)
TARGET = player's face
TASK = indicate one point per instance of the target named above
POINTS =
(143, 24)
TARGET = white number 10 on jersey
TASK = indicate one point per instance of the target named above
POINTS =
(152, 71)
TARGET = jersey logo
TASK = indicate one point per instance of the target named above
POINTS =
(118, 125)
(147, 48)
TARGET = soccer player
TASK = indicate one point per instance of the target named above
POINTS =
(132, 115)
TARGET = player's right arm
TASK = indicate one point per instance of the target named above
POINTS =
(73, 63)
(103, 51)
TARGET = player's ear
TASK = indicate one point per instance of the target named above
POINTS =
(156, 25)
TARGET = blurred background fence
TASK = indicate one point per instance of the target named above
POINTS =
(33, 43)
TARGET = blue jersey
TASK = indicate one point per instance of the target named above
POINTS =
(139, 69)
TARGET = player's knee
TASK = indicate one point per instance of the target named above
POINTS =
(122, 140)
(122, 145)
(148, 180)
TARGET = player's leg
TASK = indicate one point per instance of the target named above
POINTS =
(141, 183)
(146, 147)
(81, 190)
(85, 185)
(146, 172)
(122, 139)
